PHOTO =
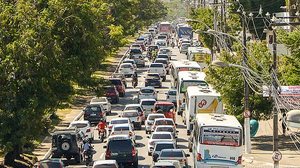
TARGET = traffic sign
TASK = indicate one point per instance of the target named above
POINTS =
(276, 156)
(247, 114)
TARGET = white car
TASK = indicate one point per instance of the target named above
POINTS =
(105, 163)
(127, 69)
(137, 107)
(116, 121)
(102, 101)
(134, 117)
(148, 105)
(130, 61)
(147, 93)
(163, 121)
(159, 137)
(161, 43)
(158, 68)
(150, 120)
(171, 96)
(85, 127)
(166, 128)
(123, 129)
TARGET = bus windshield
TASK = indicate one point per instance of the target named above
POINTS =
(221, 136)
(185, 84)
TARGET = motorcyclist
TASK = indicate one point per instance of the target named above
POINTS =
(101, 127)
(87, 147)
(134, 80)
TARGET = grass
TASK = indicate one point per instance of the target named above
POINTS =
(63, 112)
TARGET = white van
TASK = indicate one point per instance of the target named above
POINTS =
(217, 141)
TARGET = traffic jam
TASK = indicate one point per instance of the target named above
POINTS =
(158, 111)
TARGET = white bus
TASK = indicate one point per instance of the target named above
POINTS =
(200, 100)
(182, 65)
(217, 141)
(186, 79)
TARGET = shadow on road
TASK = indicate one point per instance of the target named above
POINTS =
(141, 158)
(182, 146)
(138, 137)
(182, 140)
(265, 143)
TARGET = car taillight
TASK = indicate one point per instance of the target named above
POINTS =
(88, 130)
(168, 97)
(107, 154)
(100, 114)
(112, 133)
(182, 160)
(151, 143)
(199, 157)
(110, 127)
(133, 152)
(239, 161)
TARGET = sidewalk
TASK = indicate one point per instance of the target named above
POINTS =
(262, 149)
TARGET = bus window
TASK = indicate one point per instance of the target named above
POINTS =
(220, 136)
(185, 84)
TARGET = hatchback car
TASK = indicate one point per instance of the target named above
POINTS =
(134, 116)
(165, 51)
(172, 163)
(159, 137)
(123, 129)
(153, 79)
(127, 69)
(130, 61)
(165, 56)
(174, 154)
(46, 163)
(148, 105)
(160, 146)
(166, 128)
(102, 101)
(165, 62)
(163, 121)
(123, 151)
(112, 94)
(139, 59)
(147, 93)
(150, 120)
(105, 164)
(119, 85)
(166, 108)
(116, 121)
(94, 113)
(158, 68)
(121, 76)
(85, 127)
(137, 107)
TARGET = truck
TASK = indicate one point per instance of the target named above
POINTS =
(184, 31)
(200, 100)
(200, 55)
(165, 27)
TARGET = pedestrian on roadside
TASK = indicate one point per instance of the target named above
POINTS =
(283, 123)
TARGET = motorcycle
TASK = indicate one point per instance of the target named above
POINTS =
(88, 156)
(173, 44)
(101, 135)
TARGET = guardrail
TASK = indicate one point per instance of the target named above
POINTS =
(49, 152)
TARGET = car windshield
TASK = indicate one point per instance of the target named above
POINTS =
(164, 122)
(173, 93)
(79, 125)
(50, 164)
(162, 56)
(126, 66)
(149, 103)
(171, 154)
(153, 117)
(130, 114)
(105, 165)
(160, 147)
(164, 108)
(120, 146)
(125, 128)
(147, 90)
(163, 61)
(119, 121)
(156, 65)
(110, 89)
(93, 109)
(161, 136)
(164, 129)
(116, 81)
(128, 61)
(135, 51)
(133, 108)
(100, 99)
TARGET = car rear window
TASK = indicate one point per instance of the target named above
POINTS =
(130, 114)
(164, 129)
(163, 122)
(93, 109)
(126, 66)
(161, 61)
(50, 164)
(105, 166)
(161, 136)
(156, 65)
(172, 93)
(171, 154)
(121, 128)
(79, 125)
(148, 103)
(162, 56)
(147, 90)
(153, 117)
(160, 147)
(100, 99)
(120, 146)
(116, 81)
(133, 108)
(119, 121)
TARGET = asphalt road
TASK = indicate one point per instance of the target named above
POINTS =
(145, 161)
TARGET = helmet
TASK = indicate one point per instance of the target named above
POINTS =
(101, 119)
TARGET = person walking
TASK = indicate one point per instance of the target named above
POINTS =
(283, 123)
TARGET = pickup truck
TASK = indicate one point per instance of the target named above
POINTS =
(158, 68)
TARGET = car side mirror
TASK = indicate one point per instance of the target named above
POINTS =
(176, 137)
(148, 136)
(187, 155)
(104, 146)
(119, 115)
(177, 131)
(104, 142)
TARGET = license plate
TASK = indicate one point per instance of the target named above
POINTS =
(92, 114)
(114, 154)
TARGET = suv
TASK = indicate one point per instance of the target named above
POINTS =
(158, 68)
(67, 143)
(153, 79)
(93, 113)
(119, 85)
(123, 151)
(121, 76)
(112, 94)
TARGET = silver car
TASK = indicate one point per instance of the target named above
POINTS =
(174, 154)
(150, 120)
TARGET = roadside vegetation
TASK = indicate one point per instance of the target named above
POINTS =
(47, 47)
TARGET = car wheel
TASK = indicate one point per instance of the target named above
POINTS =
(149, 153)
(66, 146)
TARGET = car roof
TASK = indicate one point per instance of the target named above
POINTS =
(132, 105)
(156, 114)
(121, 118)
(156, 63)
(122, 125)
(147, 100)
(153, 73)
(163, 126)
(164, 142)
(80, 122)
(163, 132)
(128, 111)
(173, 150)
(100, 162)
(161, 58)
(118, 137)
(170, 119)
(164, 103)
(127, 59)
(163, 164)
(148, 87)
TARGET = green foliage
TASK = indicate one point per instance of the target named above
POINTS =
(46, 46)
(230, 83)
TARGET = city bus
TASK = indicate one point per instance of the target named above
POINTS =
(199, 54)
(200, 100)
(186, 79)
(217, 141)
(182, 65)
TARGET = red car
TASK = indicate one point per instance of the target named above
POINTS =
(167, 108)
(112, 94)
(119, 85)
